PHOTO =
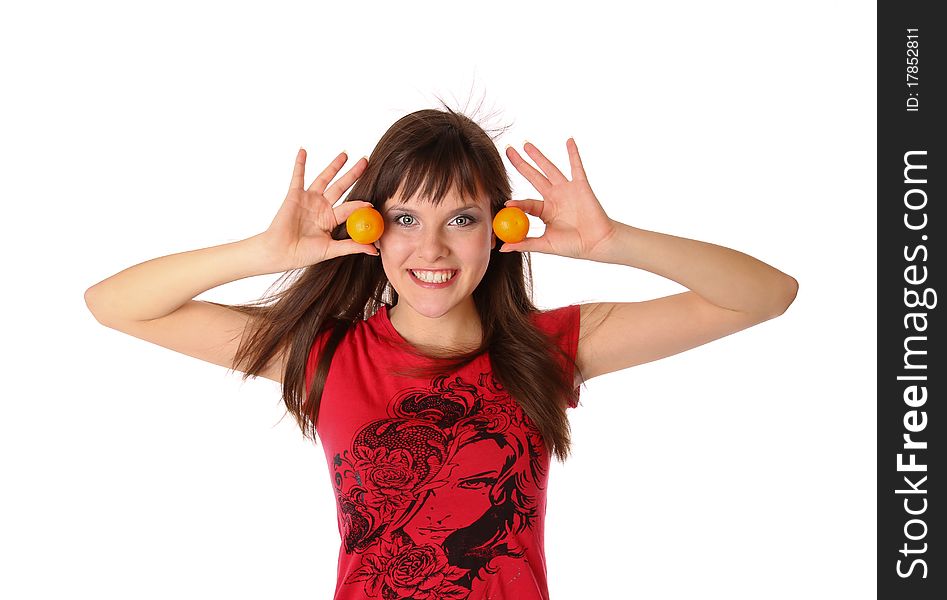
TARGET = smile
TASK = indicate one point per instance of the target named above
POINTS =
(433, 279)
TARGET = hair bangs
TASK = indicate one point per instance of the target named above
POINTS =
(433, 169)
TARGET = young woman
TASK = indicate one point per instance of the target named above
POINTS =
(438, 390)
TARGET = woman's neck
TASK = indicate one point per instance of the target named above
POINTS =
(458, 327)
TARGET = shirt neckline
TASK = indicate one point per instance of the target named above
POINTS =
(397, 337)
(386, 322)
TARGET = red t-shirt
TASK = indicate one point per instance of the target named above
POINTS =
(440, 483)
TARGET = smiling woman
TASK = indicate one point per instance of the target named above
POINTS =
(440, 466)
(435, 256)
(438, 390)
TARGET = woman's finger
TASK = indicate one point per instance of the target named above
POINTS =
(319, 183)
(552, 172)
(578, 171)
(530, 206)
(346, 181)
(299, 171)
(537, 179)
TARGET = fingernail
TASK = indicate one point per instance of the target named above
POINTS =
(508, 146)
(525, 142)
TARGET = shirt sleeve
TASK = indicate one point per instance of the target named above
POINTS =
(314, 353)
(563, 324)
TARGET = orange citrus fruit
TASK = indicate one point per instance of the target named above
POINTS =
(511, 224)
(365, 225)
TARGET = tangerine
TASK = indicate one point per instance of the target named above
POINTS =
(365, 225)
(511, 224)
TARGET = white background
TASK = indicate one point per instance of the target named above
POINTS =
(742, 469)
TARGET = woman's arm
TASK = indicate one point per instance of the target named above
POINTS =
(159, 286)
(723, 276)
(299, 236)
(729, 290)
(153, 300)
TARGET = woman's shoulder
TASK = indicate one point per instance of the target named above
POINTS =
(555, 319)
(358, 332)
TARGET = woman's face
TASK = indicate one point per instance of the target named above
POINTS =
(419, 236)
(467, 482)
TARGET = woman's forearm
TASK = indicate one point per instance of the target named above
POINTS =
(721, 275)
(160, 286)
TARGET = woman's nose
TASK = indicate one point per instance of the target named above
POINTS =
(432, 246)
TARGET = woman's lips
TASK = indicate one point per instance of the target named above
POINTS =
(436, 286)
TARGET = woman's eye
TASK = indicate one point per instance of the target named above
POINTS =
(465, 221)
(462, 220)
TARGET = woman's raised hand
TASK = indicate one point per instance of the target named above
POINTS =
(301, 233)
(576, 223)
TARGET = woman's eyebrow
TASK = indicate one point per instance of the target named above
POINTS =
(457, 210)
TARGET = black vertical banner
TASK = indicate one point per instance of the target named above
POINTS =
(912, 375)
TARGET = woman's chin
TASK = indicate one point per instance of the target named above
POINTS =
(432, 310)
(426, 305)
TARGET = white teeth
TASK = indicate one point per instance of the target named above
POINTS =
(434, 276)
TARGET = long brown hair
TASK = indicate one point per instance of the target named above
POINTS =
(434, 151)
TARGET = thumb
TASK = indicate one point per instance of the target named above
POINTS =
(349, 246)
(524, 246)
